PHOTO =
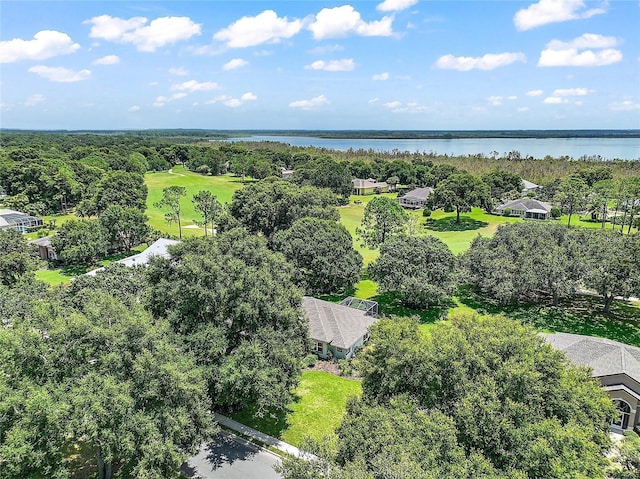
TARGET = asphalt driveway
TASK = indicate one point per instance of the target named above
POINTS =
(231, 457)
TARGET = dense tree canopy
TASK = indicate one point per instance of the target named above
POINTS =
(124, 228)
(115, 188)
(234, 303)
(273, 205)
(461, 191)
(322, 254)
(80, 241)
(17, 257)
(421, 270)
(325, 172)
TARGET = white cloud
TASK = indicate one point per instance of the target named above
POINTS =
(555, 100)
(486, 62)
(323, 50)
(512, 98)
(60, 74)
(495, 100)
(395, 5)
(553, 11)
(193, 85)
(535, 93)
(153, 83)
(380, 76)
(266, 27)
(234, 64)
(162, 100)
(45, 44)
(134, 108)
(374, 100)
(34, 99)
(309, 104)
(393, 104)
(344, 65)
(147, 38)
(108, 60)
(345, 20)
(410, 107)
(236, 102)
(626, 105)
(588, 50)
(523, 109)
(572, 92)
(178, 71)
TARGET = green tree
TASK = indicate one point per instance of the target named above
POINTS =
(17, 257)
(273, 205)
(599, 199)
(80, 242)
(124, 228)
(383, 218)
(501, 182)
(233, 302)
(571, 195)
(461, 191)
(115, 188)
(421, 270)
(171, 199)
(209, 207)
(325, 172)
(322, 253)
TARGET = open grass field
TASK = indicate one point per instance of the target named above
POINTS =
(221, 186)
(317, 410)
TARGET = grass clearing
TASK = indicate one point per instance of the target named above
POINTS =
(317, 410)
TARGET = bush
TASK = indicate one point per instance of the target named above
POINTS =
(345, 367)
(309, 361)
(506, 212)
(449, 209)
(555, 212)
(426, 212)
(42, 232)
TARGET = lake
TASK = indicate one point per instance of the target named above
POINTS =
(607, 148)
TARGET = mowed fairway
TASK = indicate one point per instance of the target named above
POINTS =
(222, 186)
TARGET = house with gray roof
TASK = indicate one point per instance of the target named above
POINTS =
(11, 219)
(528, 186)
(159, 248)
(525, 208)
(336, 330)
(45, 248)
(615, 364)
(416, 198)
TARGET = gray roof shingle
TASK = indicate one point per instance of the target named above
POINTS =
(338, 325)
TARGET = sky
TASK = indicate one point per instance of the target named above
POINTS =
(317, 64)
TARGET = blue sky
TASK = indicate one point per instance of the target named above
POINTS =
(394, 64)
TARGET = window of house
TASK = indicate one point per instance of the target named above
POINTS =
(625, 413)
(318, 347)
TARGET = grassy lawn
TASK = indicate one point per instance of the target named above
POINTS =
(221, 186)
(320, 401)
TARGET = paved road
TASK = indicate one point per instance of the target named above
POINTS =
(231, 457)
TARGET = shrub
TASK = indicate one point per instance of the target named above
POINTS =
(426, 212)
(555, 212)
(506, 212)
(345, 368)
(309, 361)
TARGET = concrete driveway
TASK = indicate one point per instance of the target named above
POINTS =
(231, 457)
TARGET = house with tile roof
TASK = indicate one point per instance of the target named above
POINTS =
(615, 364)
(335, 329)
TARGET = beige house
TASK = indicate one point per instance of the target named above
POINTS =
(525, 208)
(45, 249)
(616, 365)
(369, 187)
(415, 198)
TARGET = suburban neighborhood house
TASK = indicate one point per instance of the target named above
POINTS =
(369, 187)
(335, 329)
(415, 198)
(616, 365)
(525, 208)
(45, 249)
(528, 186)
(159, 248)
(11, 219)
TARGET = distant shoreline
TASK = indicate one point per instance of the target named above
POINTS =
(356, 134)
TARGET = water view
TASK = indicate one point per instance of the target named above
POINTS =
(606, 148)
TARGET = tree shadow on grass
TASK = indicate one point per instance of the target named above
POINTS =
(449, 224)
(273, 423)
(390, 304)
(581, 314)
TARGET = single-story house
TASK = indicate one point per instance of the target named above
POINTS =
(616, 365)
(528, 186)
(369, 186)
(159, 248)
(526, 208)
(336, 330)
(11, 219)
(415, 198)
(45, 249)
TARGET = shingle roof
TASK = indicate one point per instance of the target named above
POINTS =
(525, 204)
(604, 356)
(419, 193)
(44, 241)
(529, 186)
(158, 248)
(340, 326)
